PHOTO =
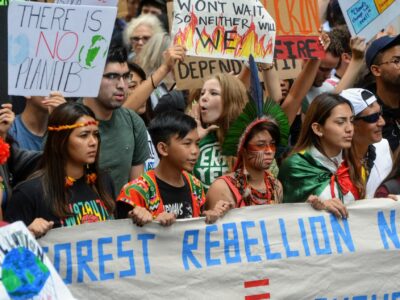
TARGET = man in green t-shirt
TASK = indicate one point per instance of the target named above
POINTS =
(124, 147)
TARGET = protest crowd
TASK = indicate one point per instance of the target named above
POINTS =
(145, 150)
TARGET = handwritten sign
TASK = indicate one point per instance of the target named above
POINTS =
(224, 29)
(26, 272)
(57, 47)
(193, 71)
(89, 2)
(366, 18)
(255, 251)
(297, 24)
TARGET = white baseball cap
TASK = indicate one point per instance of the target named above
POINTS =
(360, 99)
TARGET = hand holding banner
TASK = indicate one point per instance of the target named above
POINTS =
(252, 251)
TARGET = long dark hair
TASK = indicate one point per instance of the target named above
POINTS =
(55, 157)
(318, 112)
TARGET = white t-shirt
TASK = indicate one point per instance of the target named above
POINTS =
(314, 92)
(382, 166)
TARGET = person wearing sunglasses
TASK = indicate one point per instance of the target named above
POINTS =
(383, 60)
(372, 152)
(254, 142)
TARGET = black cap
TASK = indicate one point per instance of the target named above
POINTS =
(383, 43)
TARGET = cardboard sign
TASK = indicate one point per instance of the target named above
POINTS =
(287, 251)
(89, 2)
(365, 18)
(297, 24)
(219, 29)
(193, 71)
(55, 47)
(288, 68)
(26, 272)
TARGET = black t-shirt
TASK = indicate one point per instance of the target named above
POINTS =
(391, 130)
(176, 200)
(28, 203)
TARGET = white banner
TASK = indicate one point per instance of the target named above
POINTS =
(365, 18)
(26, 272)
(287, 251)
(55, 47)
(231, 29)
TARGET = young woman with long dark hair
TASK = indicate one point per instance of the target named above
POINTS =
(68, 189)
(321, 168)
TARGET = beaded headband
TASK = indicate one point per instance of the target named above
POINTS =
(68, 127)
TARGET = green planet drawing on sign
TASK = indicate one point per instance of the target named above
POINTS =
(89, 55)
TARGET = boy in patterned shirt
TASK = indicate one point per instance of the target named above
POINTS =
(169, 192)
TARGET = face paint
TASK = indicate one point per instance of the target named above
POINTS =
(260, 151)
(260, 159)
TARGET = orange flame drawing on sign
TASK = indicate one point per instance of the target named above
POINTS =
(222, 41)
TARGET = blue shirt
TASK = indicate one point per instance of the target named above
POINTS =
(25, 138)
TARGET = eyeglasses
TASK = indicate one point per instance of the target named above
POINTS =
(265, 147)
(372, 118)
(136, 39)
(116, 77)
(395, 61)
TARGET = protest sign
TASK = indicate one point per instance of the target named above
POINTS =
(89, 2)
(365, 18)
(55, 47)
(26, 272)
(287, 251)
(297, 24)
(193, 71)
(219, 29)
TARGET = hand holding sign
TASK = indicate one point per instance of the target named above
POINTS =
(358, 46)
(7, 117)
(172, 55)
(55, 99)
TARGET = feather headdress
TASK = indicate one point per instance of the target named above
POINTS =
(255, 112)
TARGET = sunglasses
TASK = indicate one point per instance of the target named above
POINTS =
(372, 118)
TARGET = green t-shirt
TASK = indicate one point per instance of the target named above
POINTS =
(123, 145)
(210, 164)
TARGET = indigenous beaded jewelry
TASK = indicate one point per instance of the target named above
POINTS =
(90, 179)
(69, 181)
(76, 125)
